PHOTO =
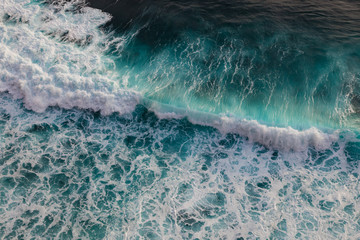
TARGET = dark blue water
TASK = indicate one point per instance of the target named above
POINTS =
(179, 119)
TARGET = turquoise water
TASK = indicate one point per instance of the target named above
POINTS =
(280, 80)
(179, 120)
(76, 174)
(278, 63)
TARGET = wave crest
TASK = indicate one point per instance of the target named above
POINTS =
(38, 67)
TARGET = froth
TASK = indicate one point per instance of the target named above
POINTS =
(279, 138)
(101, 177)
(37, 66)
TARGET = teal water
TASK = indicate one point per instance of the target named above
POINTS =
(179, 120)
(75, 174)
(280, 63)
(280, 80)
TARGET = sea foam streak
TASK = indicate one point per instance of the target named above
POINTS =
(273, 137)
(54, 56)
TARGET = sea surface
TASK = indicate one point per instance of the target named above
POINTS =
(178, 119)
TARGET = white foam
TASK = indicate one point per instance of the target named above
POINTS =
(277, 137)
(298, 182)
(43, 71)
(280, 138)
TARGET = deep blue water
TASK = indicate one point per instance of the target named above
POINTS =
(179, 119)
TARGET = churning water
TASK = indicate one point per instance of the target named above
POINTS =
(179, 119)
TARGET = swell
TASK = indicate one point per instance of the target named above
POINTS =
(264, 61)
(56, 56)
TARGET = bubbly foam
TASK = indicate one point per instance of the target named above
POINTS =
(281, 138)
(75, 174)
(37, 66)
(276, 137)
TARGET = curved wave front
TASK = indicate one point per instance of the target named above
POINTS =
(179, 119)
(55, 56)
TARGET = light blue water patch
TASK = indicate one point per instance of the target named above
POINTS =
(76, 174)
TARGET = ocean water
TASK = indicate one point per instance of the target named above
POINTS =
(210, 119)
